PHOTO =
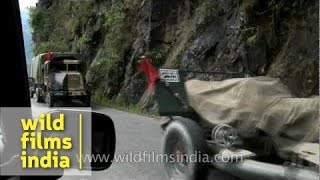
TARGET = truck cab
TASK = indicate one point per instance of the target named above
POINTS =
(65, 82)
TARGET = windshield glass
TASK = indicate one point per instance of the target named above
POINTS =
(73, 67)
(59, 66)
(56, 67)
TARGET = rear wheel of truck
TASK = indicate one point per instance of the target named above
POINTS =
(50, 100)
(38, 96)
(86, 102)
(51, 103)
(183, 147)
(31, 93)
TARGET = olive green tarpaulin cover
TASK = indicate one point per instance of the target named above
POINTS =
(249, 104)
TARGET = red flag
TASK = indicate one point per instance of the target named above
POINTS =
(48, 56)
(152, 74)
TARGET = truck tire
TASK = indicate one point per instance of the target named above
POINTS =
(184, 137)
(86, 102)
(51, 103)
(38, 97)
(31, 93)
(50, 100)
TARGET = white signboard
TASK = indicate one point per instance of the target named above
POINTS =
(169, 75)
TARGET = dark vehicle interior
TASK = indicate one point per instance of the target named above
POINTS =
(16, 92)
(17, 95)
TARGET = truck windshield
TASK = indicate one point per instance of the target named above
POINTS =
(73, 67)
(55, 67)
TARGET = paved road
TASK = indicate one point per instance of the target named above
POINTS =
(134, 133)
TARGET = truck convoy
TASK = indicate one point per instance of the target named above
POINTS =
(58, 77)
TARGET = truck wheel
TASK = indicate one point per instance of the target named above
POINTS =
(38, 97)
(86, 102)
(183, 144)
(50, 101)
(31, 93)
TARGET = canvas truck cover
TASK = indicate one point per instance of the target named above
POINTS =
(257, 103)
(35, 68)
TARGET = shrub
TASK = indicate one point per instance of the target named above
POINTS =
(83, 42)
(55, 46)
(113, 17)
(157, 55)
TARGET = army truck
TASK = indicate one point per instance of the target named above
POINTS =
(58, 77)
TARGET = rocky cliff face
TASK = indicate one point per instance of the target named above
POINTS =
(277, 38)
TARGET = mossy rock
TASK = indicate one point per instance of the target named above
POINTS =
(251, 41)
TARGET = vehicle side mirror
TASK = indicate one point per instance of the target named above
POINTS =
(103, 139)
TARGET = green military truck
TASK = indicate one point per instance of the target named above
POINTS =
(58, 77)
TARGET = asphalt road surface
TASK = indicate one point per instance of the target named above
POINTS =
(134, 134)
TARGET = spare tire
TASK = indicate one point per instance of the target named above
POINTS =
(182, 140)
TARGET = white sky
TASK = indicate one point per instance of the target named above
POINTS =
(27, 3)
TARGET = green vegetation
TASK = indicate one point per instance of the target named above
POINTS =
(114, 17)
(158, 56)
(84, 10)
(252, 40)
(54, 29)
(83, 42)
(55, 46)
(108, 63)
(100, 99)
(103, 66)
(42, 23)
(116, 43)
(306, 66)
